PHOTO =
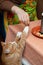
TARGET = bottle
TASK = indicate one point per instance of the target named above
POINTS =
(41, 30)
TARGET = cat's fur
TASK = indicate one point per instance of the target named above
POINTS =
(12, 51)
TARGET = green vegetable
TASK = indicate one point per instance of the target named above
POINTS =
(16, 19)
(35, 18)
(31, 17)
(21, 6)
(30, 8)
(34, 3)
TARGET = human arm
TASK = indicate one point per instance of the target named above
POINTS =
(9, 6)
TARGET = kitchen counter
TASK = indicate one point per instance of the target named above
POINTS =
(34, 45)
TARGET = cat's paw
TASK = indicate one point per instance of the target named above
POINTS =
(26, 29)
(19, 34)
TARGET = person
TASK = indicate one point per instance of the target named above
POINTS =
(12, 6)
(39, 8)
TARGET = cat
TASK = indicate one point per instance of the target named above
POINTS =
(12, 51)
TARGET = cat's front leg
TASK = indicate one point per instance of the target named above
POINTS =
(18, 36)
(22, 41)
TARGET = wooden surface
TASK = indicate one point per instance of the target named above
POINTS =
(34, 46)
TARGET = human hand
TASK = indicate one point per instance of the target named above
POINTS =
(22, 15)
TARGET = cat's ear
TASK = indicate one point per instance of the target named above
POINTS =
(3, 43)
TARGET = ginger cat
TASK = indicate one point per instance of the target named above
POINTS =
(12, 51)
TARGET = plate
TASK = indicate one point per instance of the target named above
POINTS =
(36, 32)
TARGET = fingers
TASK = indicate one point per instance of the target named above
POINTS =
(24, 17)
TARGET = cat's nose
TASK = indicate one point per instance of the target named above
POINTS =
(7, 51)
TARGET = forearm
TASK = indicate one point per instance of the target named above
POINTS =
(6, 5)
